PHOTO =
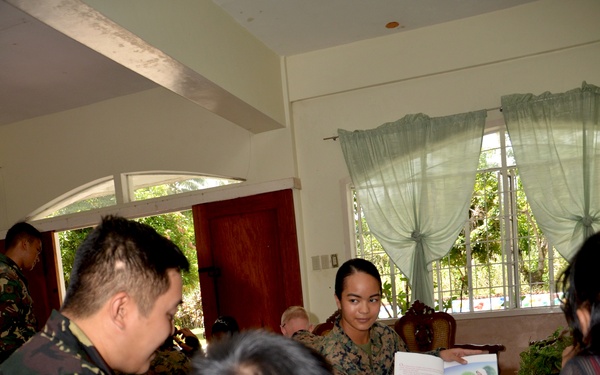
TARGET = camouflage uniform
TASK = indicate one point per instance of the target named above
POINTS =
(308, 339)
(17, 321)
(168, 361)
(347, 358)
(60, 348)
(174, 362)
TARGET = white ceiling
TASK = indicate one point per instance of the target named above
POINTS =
(42, 71)
(290, 27)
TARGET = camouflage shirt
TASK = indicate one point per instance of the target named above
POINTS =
(168, 361)
(60, 348)
(308, 339)
(347, 358)
(17, 321)
(173, 362)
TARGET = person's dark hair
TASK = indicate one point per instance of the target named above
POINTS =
(192, 342)
(224, 325)
(581, 289)
(260, 352)
(19, 231)
(121, 255)
(351, 267)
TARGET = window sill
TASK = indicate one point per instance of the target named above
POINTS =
(495, 314)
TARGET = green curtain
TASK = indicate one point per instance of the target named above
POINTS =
(555, 138)
(414, 179)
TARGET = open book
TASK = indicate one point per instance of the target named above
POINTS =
(427, 364)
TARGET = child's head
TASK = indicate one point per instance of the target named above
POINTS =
(581, 300)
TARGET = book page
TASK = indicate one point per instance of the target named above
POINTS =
(417, 364)
(479, 364)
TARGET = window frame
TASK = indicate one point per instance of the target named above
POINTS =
(123, 189)
(516, 309)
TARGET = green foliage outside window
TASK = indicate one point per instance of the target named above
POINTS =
(86, 205)
(179, 228)
(500, 232)
(69, 242)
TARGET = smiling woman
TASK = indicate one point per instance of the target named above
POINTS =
(358, 343)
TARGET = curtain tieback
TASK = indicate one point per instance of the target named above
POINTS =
(416, 236)
(587, 221)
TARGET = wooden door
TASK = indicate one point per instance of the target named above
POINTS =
(248, 249)
(43, 280)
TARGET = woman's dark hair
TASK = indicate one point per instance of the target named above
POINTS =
(225, 324)
(581, 289)
(351, 267)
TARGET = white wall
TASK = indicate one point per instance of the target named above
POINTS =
(154, 130)
(514, 33)
(543, 46)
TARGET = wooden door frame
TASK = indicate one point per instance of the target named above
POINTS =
(287, 239)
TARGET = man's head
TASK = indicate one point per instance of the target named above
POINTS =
(293, 319)
(23, 244)
(125, 289)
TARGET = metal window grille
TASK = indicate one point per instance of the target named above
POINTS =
(501, 260)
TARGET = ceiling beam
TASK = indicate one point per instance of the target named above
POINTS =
(89, 27)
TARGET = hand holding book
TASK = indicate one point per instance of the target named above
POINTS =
(426, 364)
(457, 354)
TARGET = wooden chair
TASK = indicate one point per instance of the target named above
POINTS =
(323, 329)
(424, 329)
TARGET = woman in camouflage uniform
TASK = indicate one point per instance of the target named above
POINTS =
(358, 344)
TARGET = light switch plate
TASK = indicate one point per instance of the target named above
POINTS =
(334, 261)
(316, 263)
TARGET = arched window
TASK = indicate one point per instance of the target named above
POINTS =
(111, 191)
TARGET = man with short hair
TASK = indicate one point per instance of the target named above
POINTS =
(124, 291)
(23, 244)
(293, 319)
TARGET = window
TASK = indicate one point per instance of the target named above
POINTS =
(102, 193)
(153, 185)
(96, 194)
(500, 261)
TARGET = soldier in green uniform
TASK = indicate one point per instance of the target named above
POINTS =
(124, 292)
(23, 244)
(358, 344)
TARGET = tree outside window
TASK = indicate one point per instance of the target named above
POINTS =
(501, 260)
